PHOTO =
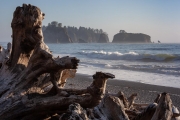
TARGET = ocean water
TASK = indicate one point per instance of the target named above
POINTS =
(157, 64)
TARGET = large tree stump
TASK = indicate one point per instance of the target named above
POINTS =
(31, 67)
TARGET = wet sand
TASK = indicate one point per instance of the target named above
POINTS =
(146, 93)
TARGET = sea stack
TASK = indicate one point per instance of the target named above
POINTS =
(55, 33)
(124, 37)
(103, 38)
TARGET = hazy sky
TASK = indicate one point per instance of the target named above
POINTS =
(158, 18)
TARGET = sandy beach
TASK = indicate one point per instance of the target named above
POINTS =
(146, 93)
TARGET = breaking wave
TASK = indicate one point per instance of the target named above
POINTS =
(130, 56)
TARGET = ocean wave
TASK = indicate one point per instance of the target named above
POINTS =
(157, 69)
(157, 49)
(170, 70)
(130, 56)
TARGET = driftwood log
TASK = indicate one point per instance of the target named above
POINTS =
(117, 107)
(32, 83)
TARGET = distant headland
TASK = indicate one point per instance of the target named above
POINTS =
(56, 33)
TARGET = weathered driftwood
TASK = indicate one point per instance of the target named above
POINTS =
(113, 107)
(31, 67)
(63, 75)
(32, 82)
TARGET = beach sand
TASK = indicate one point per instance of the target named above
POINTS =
(146, 93)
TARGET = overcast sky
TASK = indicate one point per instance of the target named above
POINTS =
(158, 18)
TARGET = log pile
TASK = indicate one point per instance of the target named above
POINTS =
(32, 83)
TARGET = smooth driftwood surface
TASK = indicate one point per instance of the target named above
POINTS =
(32, 83)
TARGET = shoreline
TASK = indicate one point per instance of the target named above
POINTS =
(146, 92)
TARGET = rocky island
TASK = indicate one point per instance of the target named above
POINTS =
(124, 37)
(55, 33)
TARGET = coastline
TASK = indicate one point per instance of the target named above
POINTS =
(146, 92)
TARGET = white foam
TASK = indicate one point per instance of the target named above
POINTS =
(136, 76)
(128, 56)
(108, 66)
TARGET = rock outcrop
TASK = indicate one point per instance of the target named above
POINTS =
(73, 36)
(124, 37)
(103, 38)
(54, 34)
(88, 35)
(82, 41)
